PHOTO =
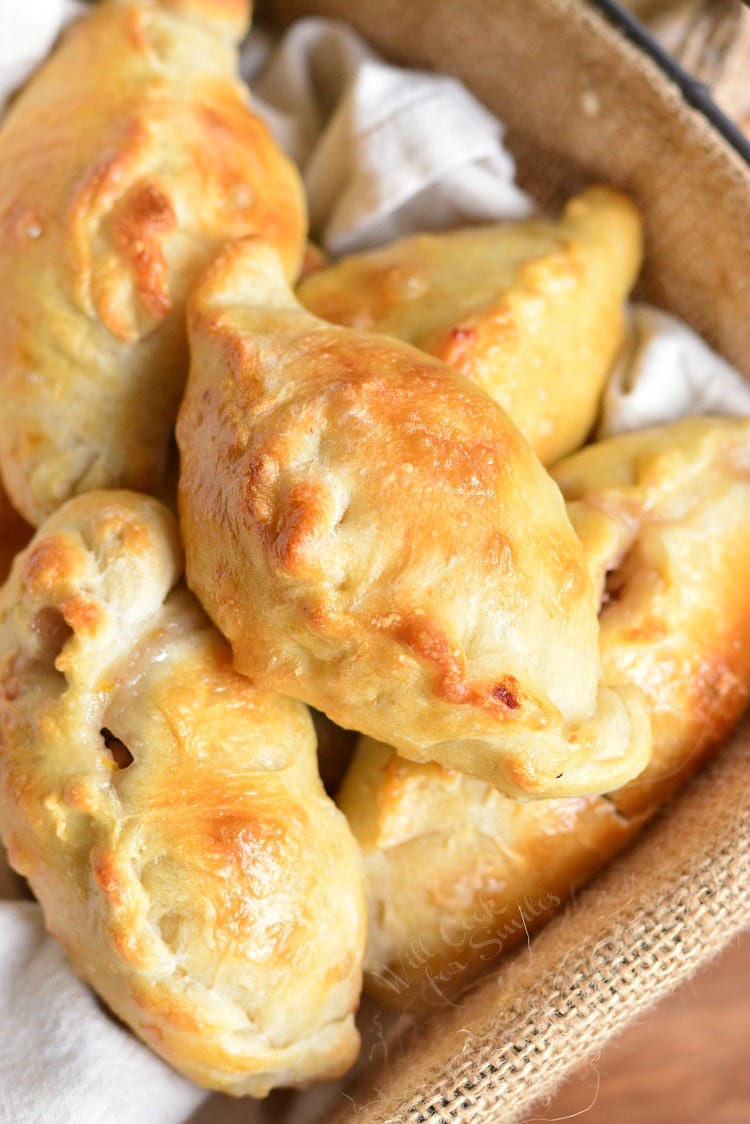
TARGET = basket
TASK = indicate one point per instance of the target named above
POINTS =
(582, 102)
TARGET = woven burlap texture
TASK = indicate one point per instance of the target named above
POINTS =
(581, 104)
(661, 911)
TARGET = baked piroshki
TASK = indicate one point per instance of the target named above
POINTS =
(533, 311)
(374, 536)
(168, 815)
(457, 874)
(127, 160)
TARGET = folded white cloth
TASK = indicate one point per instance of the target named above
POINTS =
(384, 152)
(62, 1060)
(667, 372)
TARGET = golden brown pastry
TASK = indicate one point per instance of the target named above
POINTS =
(375, 537)
(530, 311)
(168, 815)
(457, 874)
(664, 516)
(127, 160)
(14, 533)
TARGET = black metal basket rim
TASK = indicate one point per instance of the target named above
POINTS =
(695, 93)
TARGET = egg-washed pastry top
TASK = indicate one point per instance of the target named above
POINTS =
(533, 311)
(127, 160)
(374, 536)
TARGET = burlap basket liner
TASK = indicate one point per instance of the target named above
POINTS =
(581, 104)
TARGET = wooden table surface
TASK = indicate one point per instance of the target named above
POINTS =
(686, 1062)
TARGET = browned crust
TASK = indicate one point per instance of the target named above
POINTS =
(139, 224)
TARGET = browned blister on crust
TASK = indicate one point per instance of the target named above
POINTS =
(374, 536)
(168, 814)
(532, 311)
(127, 160)
(457, 874)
